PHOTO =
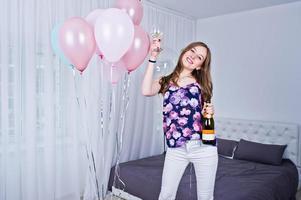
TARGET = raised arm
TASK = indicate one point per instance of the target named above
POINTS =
(151, 87)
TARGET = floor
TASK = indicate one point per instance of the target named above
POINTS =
(298, 196)
(111, 197)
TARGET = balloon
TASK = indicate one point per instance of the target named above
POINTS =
(166, 63)
(91, 19)
(114, 71)
(135, 56)
(92, 16)
(133, 8)
(77, 41)
(114, 33)
(56, 46)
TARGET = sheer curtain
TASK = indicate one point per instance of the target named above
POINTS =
(49, 113)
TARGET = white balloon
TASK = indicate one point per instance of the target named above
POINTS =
(114, 33)
(92, 16)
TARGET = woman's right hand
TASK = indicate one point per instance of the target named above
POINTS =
(155, 48)
(208, 108)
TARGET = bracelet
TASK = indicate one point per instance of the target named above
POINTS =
(152, 61)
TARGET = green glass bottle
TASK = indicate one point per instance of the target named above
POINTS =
(208, 133)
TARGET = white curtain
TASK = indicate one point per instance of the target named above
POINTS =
(49, 113)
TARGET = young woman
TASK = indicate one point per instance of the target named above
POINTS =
(185, 92)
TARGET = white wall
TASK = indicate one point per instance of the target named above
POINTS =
(256, 63)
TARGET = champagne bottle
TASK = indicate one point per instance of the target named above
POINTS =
(208, 133)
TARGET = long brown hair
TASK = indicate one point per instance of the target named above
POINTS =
(202, 76)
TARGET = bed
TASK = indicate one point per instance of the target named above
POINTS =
(257, 161)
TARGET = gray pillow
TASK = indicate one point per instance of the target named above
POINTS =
(226, 147)
(258, 152)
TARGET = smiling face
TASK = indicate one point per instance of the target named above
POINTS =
(194, 58)
(194, 62)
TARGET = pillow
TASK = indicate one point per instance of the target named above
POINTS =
(258, 152)
(226, 147)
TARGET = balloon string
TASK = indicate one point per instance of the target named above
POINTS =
(76, 89)
(88, 142)
(89, 135)
(103, 146)
(111, 107)
(102, 137)
(80, 110)
(96, 179)
(111, 73)
(125, 99)
(119, 140)
(112, 102)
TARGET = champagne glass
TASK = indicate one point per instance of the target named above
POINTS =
(156, 34)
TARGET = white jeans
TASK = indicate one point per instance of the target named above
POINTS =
(204, 159)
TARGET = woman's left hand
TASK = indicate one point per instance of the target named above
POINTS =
(208, 108)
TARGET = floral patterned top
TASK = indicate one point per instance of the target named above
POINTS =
(182, 114)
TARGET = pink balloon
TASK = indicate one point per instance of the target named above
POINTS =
(114, 71)
(77, 41)
(135, 56)
(91, 19)
(114, 33)
(133, 8)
